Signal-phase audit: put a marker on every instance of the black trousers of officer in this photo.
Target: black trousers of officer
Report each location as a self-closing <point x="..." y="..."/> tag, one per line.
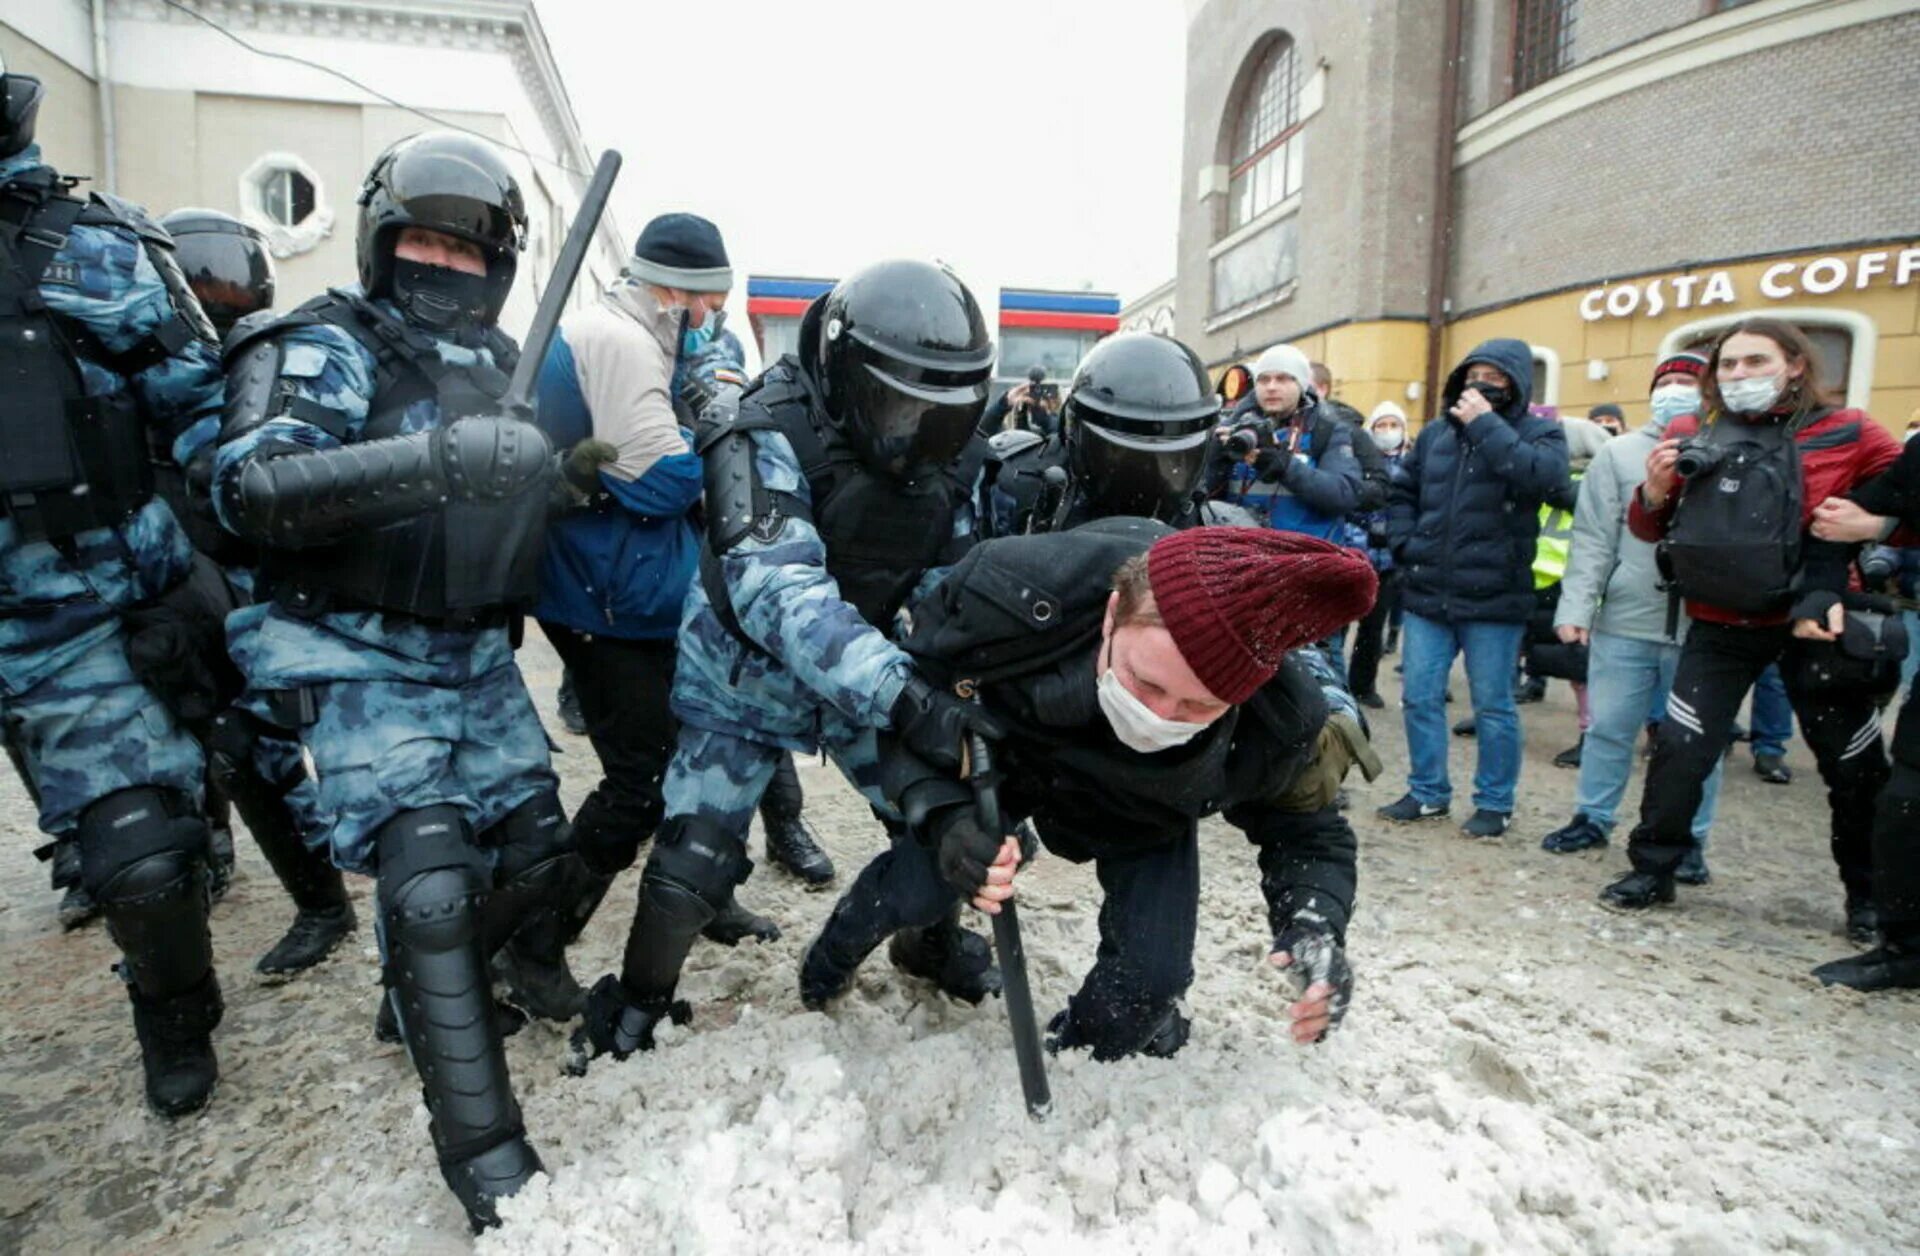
<point x="1369" y="636"/>
<point x="1718" y="665"/>
<point x="1148" y="919"/>
<point x="1896" y="836"/>
<point x="625" y="687"/>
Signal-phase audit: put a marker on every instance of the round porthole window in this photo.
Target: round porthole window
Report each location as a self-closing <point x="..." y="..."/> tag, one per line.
<point x="284" y="197"/>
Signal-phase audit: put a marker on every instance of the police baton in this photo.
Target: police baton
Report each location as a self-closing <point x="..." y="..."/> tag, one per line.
<point x="566" y="269"/>
<point x="1006" y="942"/>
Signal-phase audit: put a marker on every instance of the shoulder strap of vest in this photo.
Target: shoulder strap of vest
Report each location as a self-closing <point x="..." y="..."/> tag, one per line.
<point x="36" y="214"/>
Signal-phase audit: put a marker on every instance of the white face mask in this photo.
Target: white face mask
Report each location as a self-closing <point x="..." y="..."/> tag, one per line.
<point x="1389" y="438"/>
<point x="1753" y="395"/>
<point x="1137" y="727"/>
<point x="1669" y="401"/>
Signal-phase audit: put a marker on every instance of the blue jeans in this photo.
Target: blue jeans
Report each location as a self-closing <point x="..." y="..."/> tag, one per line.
<point x="1623" y="675"/>
<point x="1428" y="648"/>
<point x="1772" y="716"/>
<point x="1912" y="663"/>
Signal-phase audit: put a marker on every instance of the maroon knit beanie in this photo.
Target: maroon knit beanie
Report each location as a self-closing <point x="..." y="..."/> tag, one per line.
<point x="1684" y="363"/>
<point x="1237" y="599"/>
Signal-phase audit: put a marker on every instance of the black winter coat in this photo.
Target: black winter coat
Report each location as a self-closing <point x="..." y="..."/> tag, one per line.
<point x="1464" y="518"/>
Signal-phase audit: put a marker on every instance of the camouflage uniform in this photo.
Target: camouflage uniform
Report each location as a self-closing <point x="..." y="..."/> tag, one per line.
<point x="405" y="714"/>
<point x="106" y="760"/>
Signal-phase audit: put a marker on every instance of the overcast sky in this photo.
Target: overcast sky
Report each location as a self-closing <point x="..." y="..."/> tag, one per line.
<point x="1025" y="142"/>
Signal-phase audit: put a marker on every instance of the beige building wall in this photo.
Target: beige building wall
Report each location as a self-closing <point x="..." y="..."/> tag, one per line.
<point x="67" y="129"/>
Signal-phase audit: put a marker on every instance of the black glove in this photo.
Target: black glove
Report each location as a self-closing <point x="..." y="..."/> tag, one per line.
<point x="934" y="724"/>
<point x="1317" y="957"/>
<point x="964" y="848"/>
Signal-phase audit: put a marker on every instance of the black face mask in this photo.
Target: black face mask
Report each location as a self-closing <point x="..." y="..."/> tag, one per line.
<point x="437" y="298"/>
<point x="1496" y="396"/>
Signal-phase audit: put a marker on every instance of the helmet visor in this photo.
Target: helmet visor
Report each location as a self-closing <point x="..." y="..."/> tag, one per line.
<point x="231" y="274"/>
<point x="907" y="428"/>
<point x="444" y="191"/>
<point x="1124" y="474"/>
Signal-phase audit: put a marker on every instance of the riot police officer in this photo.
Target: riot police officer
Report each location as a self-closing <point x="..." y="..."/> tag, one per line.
<point x="836" y="486"/>
<point x="399" y="514"/>
<point x="103" y="348"/>
<point x="227" y="265"/>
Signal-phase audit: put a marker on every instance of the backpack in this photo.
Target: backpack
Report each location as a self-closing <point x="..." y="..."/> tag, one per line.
<point x="1029" y="601"/>
<point x="1735" y="537"/>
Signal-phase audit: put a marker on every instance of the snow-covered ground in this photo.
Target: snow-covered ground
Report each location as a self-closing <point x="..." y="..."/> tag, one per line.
<point x="1521" y="1071"/>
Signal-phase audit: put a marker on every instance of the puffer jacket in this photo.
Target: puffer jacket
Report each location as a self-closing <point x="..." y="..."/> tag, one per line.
<point x="621" y="566"/>
<point x="1465" y="518"/>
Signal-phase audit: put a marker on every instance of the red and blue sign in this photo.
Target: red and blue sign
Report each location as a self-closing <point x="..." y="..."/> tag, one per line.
<point x="780" y="297"/>
<point x="1062" y="311"/>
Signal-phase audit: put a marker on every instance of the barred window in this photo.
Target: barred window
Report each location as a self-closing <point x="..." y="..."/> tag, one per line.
<point x="1266" y="156"/>
<point x="1542" y="40"/>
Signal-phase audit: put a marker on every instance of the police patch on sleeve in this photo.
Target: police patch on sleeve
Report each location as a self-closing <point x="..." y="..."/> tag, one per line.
<point x="66" y="274"/>
<point x="768" y="526"/>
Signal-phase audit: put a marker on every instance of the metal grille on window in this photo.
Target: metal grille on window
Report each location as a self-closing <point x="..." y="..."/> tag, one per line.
<point x="1542" y="40"/>
<point x="1267" y="144"/>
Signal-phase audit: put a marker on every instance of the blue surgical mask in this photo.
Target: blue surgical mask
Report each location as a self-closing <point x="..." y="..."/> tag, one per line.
<point x="1670" y="401"/>
<point x="694" y="339"/>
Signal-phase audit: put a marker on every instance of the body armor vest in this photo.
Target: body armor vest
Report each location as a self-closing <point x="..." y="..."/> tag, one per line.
<point x="68" y="462"/>
<point x="467" y="563"/>
<point x="881" y="535"/>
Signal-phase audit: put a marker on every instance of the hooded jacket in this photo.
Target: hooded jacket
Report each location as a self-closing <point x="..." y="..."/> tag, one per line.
<point x="621" y="565"/>
<point x="1465" y="516"/>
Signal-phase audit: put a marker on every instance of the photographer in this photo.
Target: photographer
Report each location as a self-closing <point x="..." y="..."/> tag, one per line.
<point x="1463" y="521"/>
<point x="1870" y="513"/>
<point x="1033" y="407"/>
<point x="1282" y="456"/>
<point x="1771" y="448"/>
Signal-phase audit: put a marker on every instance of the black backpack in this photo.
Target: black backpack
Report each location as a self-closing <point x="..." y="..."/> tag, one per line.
<point x="1736" y="533"/>
<point x="1031" y="600"/>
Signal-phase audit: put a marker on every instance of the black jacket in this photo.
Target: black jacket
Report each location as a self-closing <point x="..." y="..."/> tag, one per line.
<point x="1464" y="519"/>
<point x="1042" y="596"/>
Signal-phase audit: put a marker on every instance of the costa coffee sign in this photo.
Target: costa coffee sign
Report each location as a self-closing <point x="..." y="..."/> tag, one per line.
<point x="1823" y="276"/>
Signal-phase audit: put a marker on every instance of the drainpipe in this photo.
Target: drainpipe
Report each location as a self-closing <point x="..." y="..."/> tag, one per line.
<point x="1440" y="246"/>
<point x="103" y="87"/>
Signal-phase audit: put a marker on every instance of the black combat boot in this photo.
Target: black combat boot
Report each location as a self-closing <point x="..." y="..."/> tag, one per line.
<point x="734" y="924"/>
<point x="324" y="916"/>
<point x="76" y="905"/>
<point x="620" y="1021"/>
<point x="1888" y="967"/>
<point x="1638" y="891"/>
<point x="791" y="843"/>
<point x="176" y="1046"/>
<point x="533" y="964"/>
<point x="957" y="960"/>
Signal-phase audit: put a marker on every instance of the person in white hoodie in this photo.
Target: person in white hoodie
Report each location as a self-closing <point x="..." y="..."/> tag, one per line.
<point x="1611" y="601"/>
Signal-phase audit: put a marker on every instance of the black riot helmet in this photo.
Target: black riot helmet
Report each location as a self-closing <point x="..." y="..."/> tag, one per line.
<point x="1137" y="423"/>
<point x="226" y="263"/>
<point x="455" y="184"/>
<point x="901" y="354"/>
<point x="20" y="96"/>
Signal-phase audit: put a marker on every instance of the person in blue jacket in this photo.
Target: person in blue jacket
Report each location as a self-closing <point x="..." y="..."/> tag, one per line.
<point x="1463" y="523"/>
<point x="1285" y="456"/>
<point x="614" y="577"/>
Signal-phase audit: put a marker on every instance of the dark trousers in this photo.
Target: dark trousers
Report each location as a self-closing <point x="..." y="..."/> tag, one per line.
<point x="623" y="688"/>
<point x="1147" y="923"/>
<point x="1896" y="836"/>
<point x="1718" y="664"/>
<point x="1369" y="637"/>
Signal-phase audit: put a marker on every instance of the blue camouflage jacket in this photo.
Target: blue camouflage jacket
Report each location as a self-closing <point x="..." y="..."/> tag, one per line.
<point x="278" y="650"/>
<point x="820" y="660"/>
<point x="55" y="607"/>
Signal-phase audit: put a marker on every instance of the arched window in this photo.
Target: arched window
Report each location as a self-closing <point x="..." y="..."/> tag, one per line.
<point x="1264" y="161"/>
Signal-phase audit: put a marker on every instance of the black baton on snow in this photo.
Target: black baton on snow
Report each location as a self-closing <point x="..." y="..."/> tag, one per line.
<point x="553" y="301"/>
<point x="1006" y="941"/>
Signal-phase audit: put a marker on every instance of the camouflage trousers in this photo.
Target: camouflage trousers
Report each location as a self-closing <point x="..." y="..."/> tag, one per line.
<point x="378" y="748"/>
<point x="90" y="729"/>
<point x="720" y="776"/>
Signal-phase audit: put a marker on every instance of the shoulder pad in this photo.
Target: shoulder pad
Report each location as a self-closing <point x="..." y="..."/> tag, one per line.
<point x="247" y="327"/>
<point x="105" y="209"/>
<point x="1008" y="445"/>
<point x="253" y="367"/>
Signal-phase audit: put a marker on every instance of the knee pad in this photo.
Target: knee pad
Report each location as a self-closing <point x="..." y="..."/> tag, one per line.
<point x="697" y="857"/>
<point x="534" y="832"/>
<point x="144" y="829"/>
<point x="434" y="910"/>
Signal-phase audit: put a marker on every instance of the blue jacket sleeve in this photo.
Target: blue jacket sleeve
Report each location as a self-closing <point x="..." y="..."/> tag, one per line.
<point x="669" y="489"/>
<point x="1333" y="486"/>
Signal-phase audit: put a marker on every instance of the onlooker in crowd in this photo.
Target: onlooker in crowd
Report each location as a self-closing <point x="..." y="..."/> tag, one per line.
<point x="1874" y="511"/>
<point x="1610" y="417"/>
<point x="1611" y="601"/>
<point x="1387" y="429"/>
<point x="1033" y="405"/>
<point x="1463" y="521"/>
<point x="1734" y="553"/>
<point x="1283" y="456"/>
<point x="1547" y="657"/>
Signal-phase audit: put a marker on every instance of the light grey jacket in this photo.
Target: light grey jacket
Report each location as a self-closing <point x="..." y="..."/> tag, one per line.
<point x="1612" y="584"/>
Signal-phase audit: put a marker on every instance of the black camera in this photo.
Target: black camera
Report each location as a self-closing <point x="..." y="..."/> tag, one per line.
<point x="1248" y="437"/>
<point x="1043" y="392"/>
<point x="1698" y="457"/>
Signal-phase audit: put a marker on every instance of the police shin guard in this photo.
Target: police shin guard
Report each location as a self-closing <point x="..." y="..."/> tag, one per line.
<point x="432" y="890"/>
<point x="689" y="876"/>
<point x="147" y="869"/>
<point x="545" y="897"/>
